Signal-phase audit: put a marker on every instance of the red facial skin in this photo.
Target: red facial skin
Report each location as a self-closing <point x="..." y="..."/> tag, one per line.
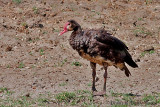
<point x="65" y="29"/>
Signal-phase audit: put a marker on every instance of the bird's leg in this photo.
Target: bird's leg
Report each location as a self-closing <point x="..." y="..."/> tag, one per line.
<point x="105" y="78"/>
<point x="93" y="66"/>
<point x="104" y="85"/>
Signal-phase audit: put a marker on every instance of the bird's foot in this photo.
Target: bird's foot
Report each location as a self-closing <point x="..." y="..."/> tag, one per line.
<point x="102" y="93"/>
<point x="94" y="89"/>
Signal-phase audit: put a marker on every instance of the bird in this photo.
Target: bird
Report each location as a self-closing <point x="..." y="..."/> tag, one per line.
<point x="99" y="47"/>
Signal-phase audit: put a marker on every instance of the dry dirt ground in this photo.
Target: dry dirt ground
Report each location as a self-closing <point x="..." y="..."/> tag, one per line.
<point x="35" y="60"/>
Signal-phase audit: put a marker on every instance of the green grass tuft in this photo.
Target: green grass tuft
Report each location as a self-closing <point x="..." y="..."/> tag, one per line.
<point x="63" y="84"/>
<point x="17" y="1"/>
<point x="21" y="65"/>
<point x="65" y="97"/>
<point x="151" y="99"/>
<point x="79" y="98"/>
<point x="41" y="52"/>
<point x="76" y="63"/>
<point x="35" y="10"/>
<point x="147" y="52"/>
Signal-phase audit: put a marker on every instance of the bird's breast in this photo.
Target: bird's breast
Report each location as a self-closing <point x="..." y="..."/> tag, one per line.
<point x="96" y="59"/>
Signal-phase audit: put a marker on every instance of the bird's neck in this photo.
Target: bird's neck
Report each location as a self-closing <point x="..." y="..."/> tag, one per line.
<point x="77" y="29"/>
<point x="75" y="36"/>
<point x="76" y="32"/>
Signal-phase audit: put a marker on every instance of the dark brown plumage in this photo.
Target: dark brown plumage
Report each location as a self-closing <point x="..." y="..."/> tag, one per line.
<point x="99" y="46"/>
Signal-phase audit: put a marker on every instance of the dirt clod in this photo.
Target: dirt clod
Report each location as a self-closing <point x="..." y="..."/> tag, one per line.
<point x="9" y="48"/>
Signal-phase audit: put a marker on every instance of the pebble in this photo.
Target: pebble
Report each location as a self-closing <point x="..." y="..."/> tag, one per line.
<point x="27" y="67"/>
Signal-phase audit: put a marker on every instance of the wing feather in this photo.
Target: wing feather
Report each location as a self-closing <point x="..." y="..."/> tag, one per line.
<point x="108" y="39"/>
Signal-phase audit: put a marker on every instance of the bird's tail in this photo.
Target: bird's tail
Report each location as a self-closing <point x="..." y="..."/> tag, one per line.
<point x="129" y="60"/>
<point x="127" y="72"/>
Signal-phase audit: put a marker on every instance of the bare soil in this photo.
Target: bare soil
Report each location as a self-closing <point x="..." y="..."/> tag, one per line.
<point x="34" y="59"/>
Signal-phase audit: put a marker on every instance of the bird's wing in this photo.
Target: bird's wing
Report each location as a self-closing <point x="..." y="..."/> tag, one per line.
<point x="108" y="39"/>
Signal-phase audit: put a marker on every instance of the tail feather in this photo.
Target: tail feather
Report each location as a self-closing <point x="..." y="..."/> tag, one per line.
<point x="127" y="72"/>
<point x="129" y="61"/>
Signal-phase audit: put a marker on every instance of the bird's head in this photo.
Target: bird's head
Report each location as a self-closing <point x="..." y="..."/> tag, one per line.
<point x="71" y="25"/>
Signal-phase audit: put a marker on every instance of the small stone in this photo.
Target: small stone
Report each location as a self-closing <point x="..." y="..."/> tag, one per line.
<point x="9" y="48"/>
<point x="27" y="67"/>
<point x="43" y="86"/>
<point x="29" y="39"/>
<point x="33" y="87"/>
<point x="65" y="73"/>
<point x="27" y="95"/>
<point x="44" y="15"/>
<point x="41" y="25"/>
<point x="54" y="14"/>
<point x="137" y="60"/>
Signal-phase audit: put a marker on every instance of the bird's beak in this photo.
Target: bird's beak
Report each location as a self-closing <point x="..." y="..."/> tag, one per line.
<point x="65" y="29"/>
<point x="61" y="33"/>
